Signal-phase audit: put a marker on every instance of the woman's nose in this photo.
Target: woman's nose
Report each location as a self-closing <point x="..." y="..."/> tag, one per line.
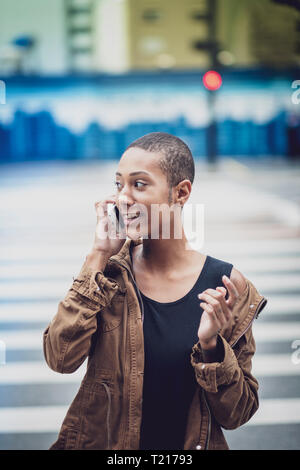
<point x="124" y="201"/>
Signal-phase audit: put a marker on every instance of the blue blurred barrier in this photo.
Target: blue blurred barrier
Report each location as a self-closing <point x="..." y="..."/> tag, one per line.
<point x="96" y="117"/>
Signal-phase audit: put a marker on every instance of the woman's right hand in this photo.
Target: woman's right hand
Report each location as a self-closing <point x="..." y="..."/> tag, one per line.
<point x="107" y="240"/>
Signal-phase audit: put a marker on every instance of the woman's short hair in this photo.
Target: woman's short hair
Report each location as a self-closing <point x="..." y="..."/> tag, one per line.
<point x="176" y="162"/>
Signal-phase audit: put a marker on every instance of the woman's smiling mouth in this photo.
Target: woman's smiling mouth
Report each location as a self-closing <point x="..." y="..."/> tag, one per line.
<point x="128" y="218"/>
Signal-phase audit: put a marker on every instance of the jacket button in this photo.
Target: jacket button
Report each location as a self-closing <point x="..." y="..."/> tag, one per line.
<point x="198" y="447"/>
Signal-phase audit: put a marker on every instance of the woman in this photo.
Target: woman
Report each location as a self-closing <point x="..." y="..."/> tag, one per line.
<point x="166" y="329"/>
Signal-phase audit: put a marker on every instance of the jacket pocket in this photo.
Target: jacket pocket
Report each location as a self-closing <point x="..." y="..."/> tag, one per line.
<point x="111" y="316"/>
<point x="97" y="406"/>
<point x="87" y="422"/>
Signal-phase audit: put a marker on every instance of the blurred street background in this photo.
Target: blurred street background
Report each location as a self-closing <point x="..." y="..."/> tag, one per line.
<point x="80" y="80"/>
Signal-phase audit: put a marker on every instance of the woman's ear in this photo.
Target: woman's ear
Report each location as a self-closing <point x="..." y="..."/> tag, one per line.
<point x="183" y="191"/>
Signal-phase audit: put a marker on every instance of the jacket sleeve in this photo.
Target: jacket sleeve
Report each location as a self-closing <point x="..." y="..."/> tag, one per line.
<point x="67" y="339"/>
<point x="231" y="389"/>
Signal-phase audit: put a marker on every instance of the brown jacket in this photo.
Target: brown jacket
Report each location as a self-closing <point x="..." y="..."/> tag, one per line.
<point x="101" y="317"/>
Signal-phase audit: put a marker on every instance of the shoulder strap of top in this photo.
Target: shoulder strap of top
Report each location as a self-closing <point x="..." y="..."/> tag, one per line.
<point x="217" y="268"/>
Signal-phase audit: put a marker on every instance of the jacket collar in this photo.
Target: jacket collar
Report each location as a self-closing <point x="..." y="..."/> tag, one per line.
<point x="123" y="257"/>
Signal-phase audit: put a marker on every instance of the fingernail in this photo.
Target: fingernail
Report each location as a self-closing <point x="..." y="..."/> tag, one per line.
<point x="225" y="277"/>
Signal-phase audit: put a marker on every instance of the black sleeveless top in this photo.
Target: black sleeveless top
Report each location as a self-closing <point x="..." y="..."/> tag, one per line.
<point x="170" y="331"/>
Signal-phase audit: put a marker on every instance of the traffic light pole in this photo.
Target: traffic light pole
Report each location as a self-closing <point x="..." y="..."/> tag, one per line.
<point x="210" y="46"/>
<point x="212" y="130"/>
<point x="212" y="127"/>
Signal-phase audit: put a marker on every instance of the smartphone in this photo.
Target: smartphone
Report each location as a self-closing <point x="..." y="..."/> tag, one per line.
<point x="117" y="213"/>
<point x="116" y="217"/>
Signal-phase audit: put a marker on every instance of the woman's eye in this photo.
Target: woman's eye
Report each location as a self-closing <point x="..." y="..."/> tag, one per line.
<point x="118" y="184"/>
<point x="139" y="182"/>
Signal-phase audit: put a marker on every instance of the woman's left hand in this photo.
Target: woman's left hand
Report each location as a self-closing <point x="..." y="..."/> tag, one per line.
<point x="217" y="312"/>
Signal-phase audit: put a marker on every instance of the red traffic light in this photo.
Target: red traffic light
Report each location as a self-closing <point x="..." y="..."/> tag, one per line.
<point x="212" y="80"/>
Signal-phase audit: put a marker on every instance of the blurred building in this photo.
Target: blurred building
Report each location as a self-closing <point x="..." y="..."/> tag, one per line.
<point x="260" y="32"/>
<point x="173" y="33"/>
<point x="170" y="33"/>
<point x="115" y="36"/>
<point x="44" y="22"/>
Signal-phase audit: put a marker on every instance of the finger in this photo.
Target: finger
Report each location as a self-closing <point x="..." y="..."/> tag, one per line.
<point x="220" y="297"/>
<point x="233" y="292"/>
<point x="222" y="310"/>
<point x="210" y="311"/>
<point x="225" y="308"/>
<point x="101" y="231"/>
<point x="101" y="207"/>
<point x="210" y="297"/>
<point x="222" y="290"/>
<point x="110" y="199"/>
<point x="214" y="300"/>
<point x="214" y="292"/>
<point x="101" y="211"/>
<point x="104" y="201"/>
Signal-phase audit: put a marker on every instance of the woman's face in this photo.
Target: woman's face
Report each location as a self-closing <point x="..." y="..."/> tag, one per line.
<point x="141" y="188"/>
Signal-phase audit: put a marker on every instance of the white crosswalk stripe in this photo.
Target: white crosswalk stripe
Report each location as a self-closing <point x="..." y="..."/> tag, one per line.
<point x="55" y="289"/>
<point x="39" y="372"/>
<point x="36" y="373"/>
<point x="50" y="268"/>
<point x="265" y="332"/>
<point x="36" y="419"/>
<point x="44" y="311"/>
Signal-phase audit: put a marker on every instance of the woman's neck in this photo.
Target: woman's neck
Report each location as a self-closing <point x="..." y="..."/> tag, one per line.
<point x="163" y="255"/>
